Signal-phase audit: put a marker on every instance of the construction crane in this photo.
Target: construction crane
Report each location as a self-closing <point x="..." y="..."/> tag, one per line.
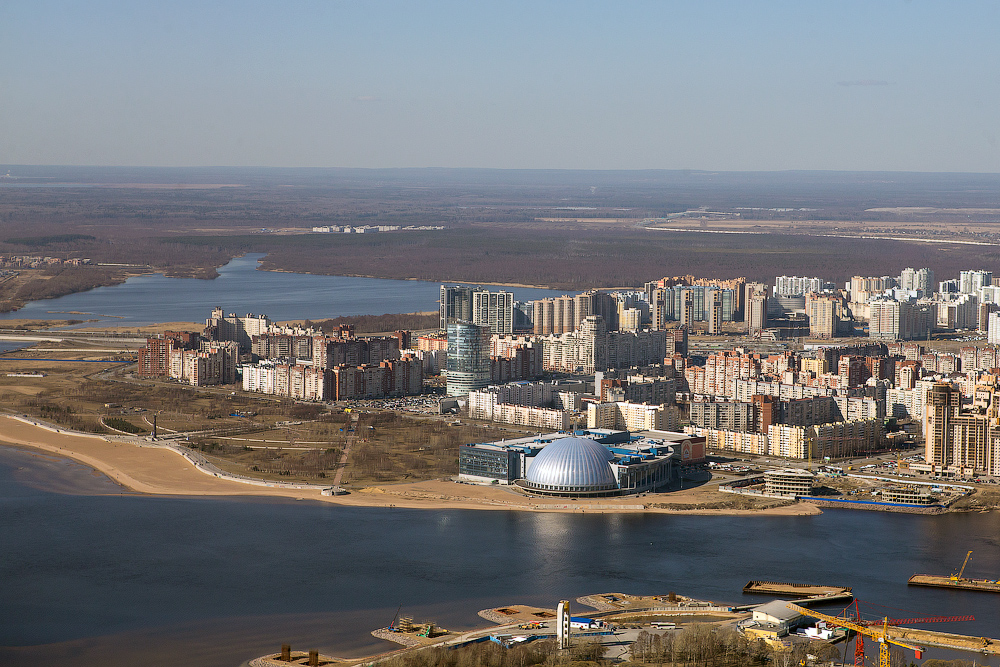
<point x="881" y="635"/>
<point x="859" y="644"/>
<point x="958" y="577"/>
<point x="925" y="619"/>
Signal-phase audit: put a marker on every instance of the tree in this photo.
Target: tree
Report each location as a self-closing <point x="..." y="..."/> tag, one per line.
<point x="591" y="651"/>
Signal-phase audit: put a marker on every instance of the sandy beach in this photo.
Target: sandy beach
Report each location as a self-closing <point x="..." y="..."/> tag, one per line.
<point x="160" y="471"/>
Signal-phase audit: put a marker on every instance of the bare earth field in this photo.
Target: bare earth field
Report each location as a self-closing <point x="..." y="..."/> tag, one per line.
<point x="932" y="230"/>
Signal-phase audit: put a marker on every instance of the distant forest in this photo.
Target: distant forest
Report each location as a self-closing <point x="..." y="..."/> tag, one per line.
<point x="379" y="323"/>
<point x="563" y="229"/>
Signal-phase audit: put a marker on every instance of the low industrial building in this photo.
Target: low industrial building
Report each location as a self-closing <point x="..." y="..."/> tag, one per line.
<point x="590" y="463"/>
<point x="773" y="619"/>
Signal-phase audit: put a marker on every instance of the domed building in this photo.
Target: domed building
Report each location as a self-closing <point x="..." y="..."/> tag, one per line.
<point x="584" y="464"/>
<point x="576" y="466"/>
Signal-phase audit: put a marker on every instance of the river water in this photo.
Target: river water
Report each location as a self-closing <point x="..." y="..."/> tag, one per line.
<point x="240" y="288"/>
<point x="94" y="575"/>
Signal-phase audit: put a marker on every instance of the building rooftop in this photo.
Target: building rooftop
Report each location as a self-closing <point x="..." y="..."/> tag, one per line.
<point x="573" y="464"/>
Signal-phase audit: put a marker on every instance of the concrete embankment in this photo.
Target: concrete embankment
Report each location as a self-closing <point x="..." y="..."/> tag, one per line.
<point x="946" y="640"/>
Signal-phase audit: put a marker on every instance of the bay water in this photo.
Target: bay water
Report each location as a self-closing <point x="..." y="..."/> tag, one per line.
<point x="92" y="574"/>
<point x="240" y="288"/>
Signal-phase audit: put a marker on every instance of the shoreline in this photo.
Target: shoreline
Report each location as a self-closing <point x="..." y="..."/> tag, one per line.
<point x="155" y="469"/>
<point x="165" y="272"/>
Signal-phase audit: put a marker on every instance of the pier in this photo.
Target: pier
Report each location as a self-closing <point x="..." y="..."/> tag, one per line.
<point x="937" y="581"/>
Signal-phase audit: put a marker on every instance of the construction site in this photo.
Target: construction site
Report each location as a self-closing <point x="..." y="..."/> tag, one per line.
<point x="622" y="625"/>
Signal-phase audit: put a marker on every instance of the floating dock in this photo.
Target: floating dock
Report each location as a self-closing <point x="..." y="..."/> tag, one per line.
<point x="938" y="581"/>
<point x="807" y="591"/>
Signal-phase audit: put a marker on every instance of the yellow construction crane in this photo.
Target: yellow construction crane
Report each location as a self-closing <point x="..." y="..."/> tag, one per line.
<point x="879" y="634"/>
<point x="958" y="577"/>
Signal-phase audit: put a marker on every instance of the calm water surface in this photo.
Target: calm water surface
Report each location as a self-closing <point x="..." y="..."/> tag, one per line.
<point x="240" y="288"/>
<point x="97" y="576"/>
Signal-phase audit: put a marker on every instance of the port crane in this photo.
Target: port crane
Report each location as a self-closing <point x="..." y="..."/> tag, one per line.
<point x="881" y="635"/>
<point x="958" y="577"/>
<point x="859" y="648"/>
<point x="859" y="645"/>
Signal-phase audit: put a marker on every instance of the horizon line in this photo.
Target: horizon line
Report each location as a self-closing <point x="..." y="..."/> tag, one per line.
<point x="503" y="169"/>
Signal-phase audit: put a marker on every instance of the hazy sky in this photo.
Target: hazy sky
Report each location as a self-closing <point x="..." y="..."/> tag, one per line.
<point x="573" y="84"/>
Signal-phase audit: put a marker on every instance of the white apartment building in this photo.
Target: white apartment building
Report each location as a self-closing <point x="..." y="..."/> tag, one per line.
<point x="733" y="441"/>
<point x="969" y="282"/>
<point x="523" y="415"/>
<point x="993" y="329"/>
<point x="633" y="416"/>
<point x="917" y="279"/>
<point x="495" y="310"/>
<point x="796" y="286"/>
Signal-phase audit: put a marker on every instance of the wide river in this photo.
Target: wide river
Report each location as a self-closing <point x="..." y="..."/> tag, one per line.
<point x="240" y="288"/>
<point x="95" y="576"/>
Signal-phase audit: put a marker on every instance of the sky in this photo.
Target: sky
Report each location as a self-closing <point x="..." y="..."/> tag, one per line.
<point x="750" y="85"/>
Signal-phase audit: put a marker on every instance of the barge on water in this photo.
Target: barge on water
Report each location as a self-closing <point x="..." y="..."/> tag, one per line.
<point x="937" y="581"/>
<point x="957" y="580"/>
<point x="809" y="592"/>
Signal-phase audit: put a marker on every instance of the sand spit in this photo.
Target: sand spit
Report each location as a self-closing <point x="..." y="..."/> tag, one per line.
<point x="147" y="467"/>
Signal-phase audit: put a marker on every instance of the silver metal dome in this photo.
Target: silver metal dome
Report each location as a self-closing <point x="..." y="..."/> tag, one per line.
<point x="572" y="465"/>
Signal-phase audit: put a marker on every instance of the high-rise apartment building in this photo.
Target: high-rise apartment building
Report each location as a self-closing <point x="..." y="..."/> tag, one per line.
<point x="715" y="322"/>
<point x="898" y="320"/>
<point x="917" y="279"/>
<point x="756" y="308"/>
<point x="631" y="319"/>
<point x="796" y="286"/>
<point x="495" y="310"/>
<point x="213" y="363"/>
<point x="993" y="329"/>
<point x="824" y="315"/>
<point x="690" y="303"/>
<point x="957" y="441"/>
<point x="969" y="282"/>
<point x="605" y="305"/>
<point x="863" y="288"/>
<point x="543" y="312"/>
<point x="241" y="330"/>
<point x="658" y="307"/>
<point x="687" y="310"/>
<point x="524" y="316"/>
<point x="456" y="304"/>
<point x="677" y="341"/>
<point x="460" y="303"/>
<point x="594" y="337"/>
<point x="563" y="314"/>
